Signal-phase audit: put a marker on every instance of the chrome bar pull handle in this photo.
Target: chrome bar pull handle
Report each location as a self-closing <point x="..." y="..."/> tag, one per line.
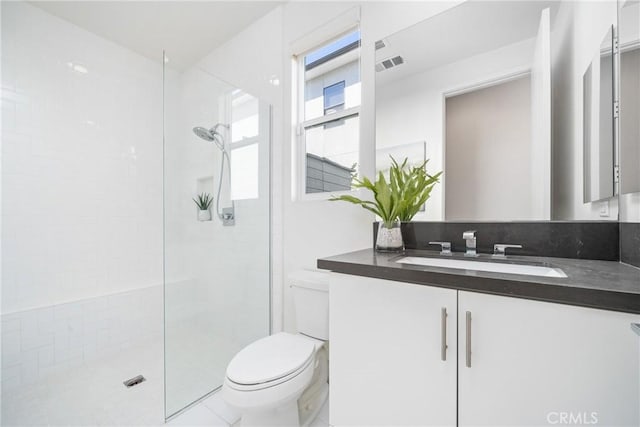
<point x="443" y="334"/>
<point x="468" y="341"/>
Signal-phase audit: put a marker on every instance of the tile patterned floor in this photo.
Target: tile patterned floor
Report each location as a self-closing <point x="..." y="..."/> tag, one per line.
<point x="93" y="395"/>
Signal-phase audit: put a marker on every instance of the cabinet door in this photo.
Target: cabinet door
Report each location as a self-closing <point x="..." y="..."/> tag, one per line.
<point x="386" y="353"/>
<point x="535" y="363"/>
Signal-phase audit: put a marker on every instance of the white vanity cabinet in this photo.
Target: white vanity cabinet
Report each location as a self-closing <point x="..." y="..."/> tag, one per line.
<point x="386" y="366"/>
<point x="537" y="363"/>
<point x="531" y="363"/>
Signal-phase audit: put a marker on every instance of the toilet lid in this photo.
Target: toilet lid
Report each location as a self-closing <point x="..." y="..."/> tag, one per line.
<point x="270" y="358"/>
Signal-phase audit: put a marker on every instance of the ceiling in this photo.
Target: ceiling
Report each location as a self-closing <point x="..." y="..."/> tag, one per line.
<point x="186" y="30"/>
<point x="472" y="28"/>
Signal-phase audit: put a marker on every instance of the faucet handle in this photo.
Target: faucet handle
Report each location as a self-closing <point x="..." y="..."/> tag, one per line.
<point x="500" y="249"/>
<point x="445" y="247"/>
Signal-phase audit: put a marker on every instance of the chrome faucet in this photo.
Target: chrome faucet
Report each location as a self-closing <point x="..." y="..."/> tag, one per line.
<point x="470" y="239"/>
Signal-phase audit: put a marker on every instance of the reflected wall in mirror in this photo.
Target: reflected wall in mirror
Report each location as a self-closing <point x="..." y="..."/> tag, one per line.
<point x="488" y="161"/>
<point x="480" y="98"/>
<point x="629" y="139"/>
<point x="598" y="120"/>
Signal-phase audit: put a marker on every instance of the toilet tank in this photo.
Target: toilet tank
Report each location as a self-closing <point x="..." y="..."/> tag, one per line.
<point x="311" y="301"/>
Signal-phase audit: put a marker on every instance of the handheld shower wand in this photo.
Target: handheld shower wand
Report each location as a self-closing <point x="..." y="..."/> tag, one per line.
<point x="227" y="216"/>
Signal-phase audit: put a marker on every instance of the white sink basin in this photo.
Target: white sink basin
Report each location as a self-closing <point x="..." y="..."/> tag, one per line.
<point x="493" y="267"/>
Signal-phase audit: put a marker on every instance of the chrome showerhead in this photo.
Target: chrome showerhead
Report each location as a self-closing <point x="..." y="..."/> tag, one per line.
<point x="204" y="133"/>
<point x="211" y="135"/>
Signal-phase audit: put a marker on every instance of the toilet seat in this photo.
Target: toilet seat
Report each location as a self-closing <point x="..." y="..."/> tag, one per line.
<point x="270" y="361"/>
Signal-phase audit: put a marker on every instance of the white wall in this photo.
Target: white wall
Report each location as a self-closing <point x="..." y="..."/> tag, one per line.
<point x="576" y="35"/>
<point x="1" y="128"/>
<point x="540" y="158"/>
<point x="82" y="163"/>
<point x="630" y="120"/>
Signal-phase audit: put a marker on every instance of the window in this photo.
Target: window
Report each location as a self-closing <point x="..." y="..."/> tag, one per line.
<point x="244" y="116"/>
<point x="245" y="138"/>
<point x="333" y="98"/>
<point x="329" y="115"/>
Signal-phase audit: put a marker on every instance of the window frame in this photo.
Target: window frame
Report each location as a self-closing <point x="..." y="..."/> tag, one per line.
<point x="301" y="125"/>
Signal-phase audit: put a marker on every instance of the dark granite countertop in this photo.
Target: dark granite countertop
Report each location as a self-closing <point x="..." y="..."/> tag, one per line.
<point x="607" y="285"/>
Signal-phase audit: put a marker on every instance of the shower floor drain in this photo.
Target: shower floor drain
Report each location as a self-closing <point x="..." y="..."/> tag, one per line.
<point x="134" y="381"/>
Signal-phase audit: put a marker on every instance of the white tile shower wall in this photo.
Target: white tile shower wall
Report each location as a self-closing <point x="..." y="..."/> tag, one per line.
<point x="81" y="166"/>
<point x="49" y="340"/>
<point x="235" y="62"/>
<point x="228" y="267"/>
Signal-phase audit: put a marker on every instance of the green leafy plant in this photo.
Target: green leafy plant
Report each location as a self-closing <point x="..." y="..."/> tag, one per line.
<point x="203" y="201"/>
<point x="401" y="197"/>
<point x="415" y="185"/>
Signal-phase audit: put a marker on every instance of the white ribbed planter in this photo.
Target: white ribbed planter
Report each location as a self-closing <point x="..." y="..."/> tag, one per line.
<point x="204" y="215"/>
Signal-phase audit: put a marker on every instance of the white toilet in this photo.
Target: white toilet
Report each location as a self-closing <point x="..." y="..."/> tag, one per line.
<point x="282" y="380"/>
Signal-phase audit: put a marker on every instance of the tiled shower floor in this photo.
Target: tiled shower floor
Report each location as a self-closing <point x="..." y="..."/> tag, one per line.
<point x="93" y="394"/>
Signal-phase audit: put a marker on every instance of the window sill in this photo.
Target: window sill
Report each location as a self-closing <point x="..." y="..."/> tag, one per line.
<point x="314" y="197"/>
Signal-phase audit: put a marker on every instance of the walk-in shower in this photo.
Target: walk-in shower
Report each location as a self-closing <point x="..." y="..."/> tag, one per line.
<point x="227" y="216"/>
<point x="120" y="307"/>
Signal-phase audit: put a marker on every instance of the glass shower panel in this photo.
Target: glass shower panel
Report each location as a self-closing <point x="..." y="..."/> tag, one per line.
<point x="217" y="275"/>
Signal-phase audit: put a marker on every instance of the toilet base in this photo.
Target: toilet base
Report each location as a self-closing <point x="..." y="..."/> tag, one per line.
<point x="310" y="410"/>
<point x="282" y="416"/>
<point x="315" y="395"/>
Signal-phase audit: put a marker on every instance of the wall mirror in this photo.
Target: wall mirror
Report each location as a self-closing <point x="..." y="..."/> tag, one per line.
<point x="629" y="119"/>
<point x="476" y="103"/>
<point x="598" y="123"/>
